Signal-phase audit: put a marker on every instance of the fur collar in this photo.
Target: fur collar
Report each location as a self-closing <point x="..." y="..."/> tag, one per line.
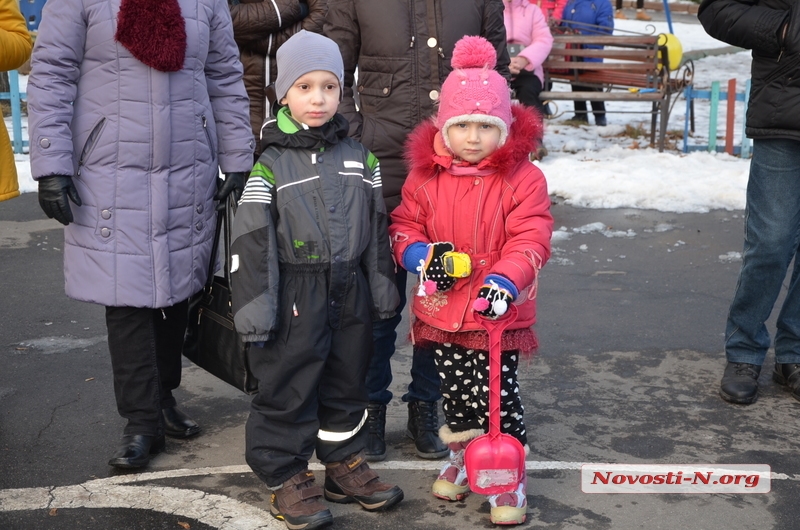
<point x="525" y="134"/>
<point x="154" y="32"/>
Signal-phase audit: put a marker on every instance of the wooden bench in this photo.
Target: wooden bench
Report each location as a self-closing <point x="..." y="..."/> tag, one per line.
<point x="634" y="68"/>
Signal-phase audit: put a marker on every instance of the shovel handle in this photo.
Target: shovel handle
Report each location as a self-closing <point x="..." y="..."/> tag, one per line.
<point x="495" y="330"/>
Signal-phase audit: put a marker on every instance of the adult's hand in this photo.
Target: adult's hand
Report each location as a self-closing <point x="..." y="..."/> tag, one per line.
<point x="55" y="192"/>
<point x="232" y="186"/>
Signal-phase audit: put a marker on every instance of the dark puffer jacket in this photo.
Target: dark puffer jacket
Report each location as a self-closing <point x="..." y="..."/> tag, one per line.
<point x="775" y="90"/>
<point x="402" y="49"/>
<point x="259" y="29"/>
<point x="332" y="225"/>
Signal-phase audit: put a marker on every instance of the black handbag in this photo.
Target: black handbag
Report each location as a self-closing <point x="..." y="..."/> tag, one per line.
<point x="212" y="342"/>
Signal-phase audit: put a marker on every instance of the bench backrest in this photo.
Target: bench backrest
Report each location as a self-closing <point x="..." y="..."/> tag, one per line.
<point x="627" y="61"/>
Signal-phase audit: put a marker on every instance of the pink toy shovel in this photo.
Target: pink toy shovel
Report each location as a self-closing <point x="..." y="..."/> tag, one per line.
<point x="495" y="462"/>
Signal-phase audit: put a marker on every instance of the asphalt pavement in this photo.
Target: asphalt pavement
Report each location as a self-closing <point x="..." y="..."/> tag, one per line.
<point x="631" y="316"/>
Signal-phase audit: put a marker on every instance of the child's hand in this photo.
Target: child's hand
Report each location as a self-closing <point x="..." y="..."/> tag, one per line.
<point x="434" y="267"/>
<point x="494" y="296"/>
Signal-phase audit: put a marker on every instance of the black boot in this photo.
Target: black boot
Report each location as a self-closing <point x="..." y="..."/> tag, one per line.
<point x="376" y="442"/>
<point x="599" y="109"/>
<point x="134" y="450"/>
<point x="423" y="428"/>
<point x="788" y="375"/>
<point x="177" y="424"/>
<point x="740" y="383"/>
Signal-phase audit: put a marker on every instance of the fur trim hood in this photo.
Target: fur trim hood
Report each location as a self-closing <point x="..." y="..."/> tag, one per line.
<point x="425" y="148"/>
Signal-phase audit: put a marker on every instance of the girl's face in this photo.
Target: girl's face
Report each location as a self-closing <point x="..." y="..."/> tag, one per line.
<point x="314" y="98"/>
<point x="472" y="141"/>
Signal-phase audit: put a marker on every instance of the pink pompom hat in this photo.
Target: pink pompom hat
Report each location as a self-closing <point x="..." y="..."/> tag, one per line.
<point x="474" y="91"/>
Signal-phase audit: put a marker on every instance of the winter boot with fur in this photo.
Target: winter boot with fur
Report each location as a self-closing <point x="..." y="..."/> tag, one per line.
<point x="452" y="483"/>
<point x="297" y="503"/>
<point x="510" y="507"/>
<point x="351" y="480"/>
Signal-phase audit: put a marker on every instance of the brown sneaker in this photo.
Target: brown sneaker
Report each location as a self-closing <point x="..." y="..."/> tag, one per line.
<point x="353" y="481"/>
<point x="619" y="14"/>
<point x="641" y="15"/>
<point x="297" y="503"/>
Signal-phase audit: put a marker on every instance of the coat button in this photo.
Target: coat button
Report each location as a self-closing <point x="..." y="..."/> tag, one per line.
<point x="482" y="262"/>
<point x="337" y="258"/>
<point x="455" y="325"/>
<point x="45" y="143"/>
<point x="477" y="181"/>
<point x="332" y="209"/>
<point x="319" y="159"/>
<point x="433" y="94"/>
<point x="105" y="232"/>
<point x="199" y="226"/>
<point x="385" y="90"/>
<point x="199" y="208"/>
<point x="333" y="303"/>
<point x="432" y="43"/>
<point x="361" y="88"/>
<point x="105" y="214"/>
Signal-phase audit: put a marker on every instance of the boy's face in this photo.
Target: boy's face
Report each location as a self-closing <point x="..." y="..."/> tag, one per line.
<point x="472" y="141"/>
<point x="313" y="98"/>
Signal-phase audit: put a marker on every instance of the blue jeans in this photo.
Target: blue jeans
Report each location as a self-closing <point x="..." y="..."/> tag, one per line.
<point x="424" y="384"/>
<point x="772" y="231"/>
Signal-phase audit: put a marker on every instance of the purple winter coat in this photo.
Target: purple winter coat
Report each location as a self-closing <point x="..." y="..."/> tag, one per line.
<point x="145" y="148"/>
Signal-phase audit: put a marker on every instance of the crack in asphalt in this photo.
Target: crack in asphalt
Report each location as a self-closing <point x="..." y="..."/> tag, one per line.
<point x="53" y="414"/>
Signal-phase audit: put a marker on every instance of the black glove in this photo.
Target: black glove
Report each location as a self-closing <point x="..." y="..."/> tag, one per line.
<point x="492" y="301"/>
<point x="55" y="192"/>
<point x="434" y="267"/>
<point x="233" y="185"/>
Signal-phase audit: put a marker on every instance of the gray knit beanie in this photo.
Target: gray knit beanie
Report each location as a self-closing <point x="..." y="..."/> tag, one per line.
<point x="305" y="52"/>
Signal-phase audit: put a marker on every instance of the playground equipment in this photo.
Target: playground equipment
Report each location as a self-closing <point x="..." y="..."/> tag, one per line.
<point x="32" y="11"/>
<point x="714" y="95"/>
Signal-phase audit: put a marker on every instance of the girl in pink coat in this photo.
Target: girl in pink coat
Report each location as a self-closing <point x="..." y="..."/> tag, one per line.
<point x="530" y="41"/>
<point x="473" y="195"/>
<point x="527" y="27"/>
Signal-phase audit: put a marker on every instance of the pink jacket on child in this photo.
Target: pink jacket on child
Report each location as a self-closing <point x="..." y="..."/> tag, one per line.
<point x="526" y="25"/>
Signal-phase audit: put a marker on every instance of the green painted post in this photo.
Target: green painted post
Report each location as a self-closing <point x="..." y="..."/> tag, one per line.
<point x="712" y="118"/>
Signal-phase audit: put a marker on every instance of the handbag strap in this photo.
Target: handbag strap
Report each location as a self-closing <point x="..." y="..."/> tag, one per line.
<point x="215" y="246"/>
<point x="228" y="216"/>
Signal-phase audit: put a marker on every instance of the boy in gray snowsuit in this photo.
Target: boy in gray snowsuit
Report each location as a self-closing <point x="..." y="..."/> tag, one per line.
<point x="311" y="268"/>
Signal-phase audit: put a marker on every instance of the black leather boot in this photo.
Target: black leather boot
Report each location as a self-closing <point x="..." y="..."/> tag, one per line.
<point x="788" y="375"/>
<point x="375" y="450"/>
<point x="134" y="450"/>
<point x="740" y="383"/>
<point x="177" y="424"/>
<point x="423" y="428"/>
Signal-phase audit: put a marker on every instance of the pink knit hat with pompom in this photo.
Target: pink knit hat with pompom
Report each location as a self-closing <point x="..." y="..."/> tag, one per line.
<point x="474" y="91"/>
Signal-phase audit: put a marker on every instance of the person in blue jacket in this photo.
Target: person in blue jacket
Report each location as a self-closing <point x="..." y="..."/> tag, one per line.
<point x="580" y="16"/>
